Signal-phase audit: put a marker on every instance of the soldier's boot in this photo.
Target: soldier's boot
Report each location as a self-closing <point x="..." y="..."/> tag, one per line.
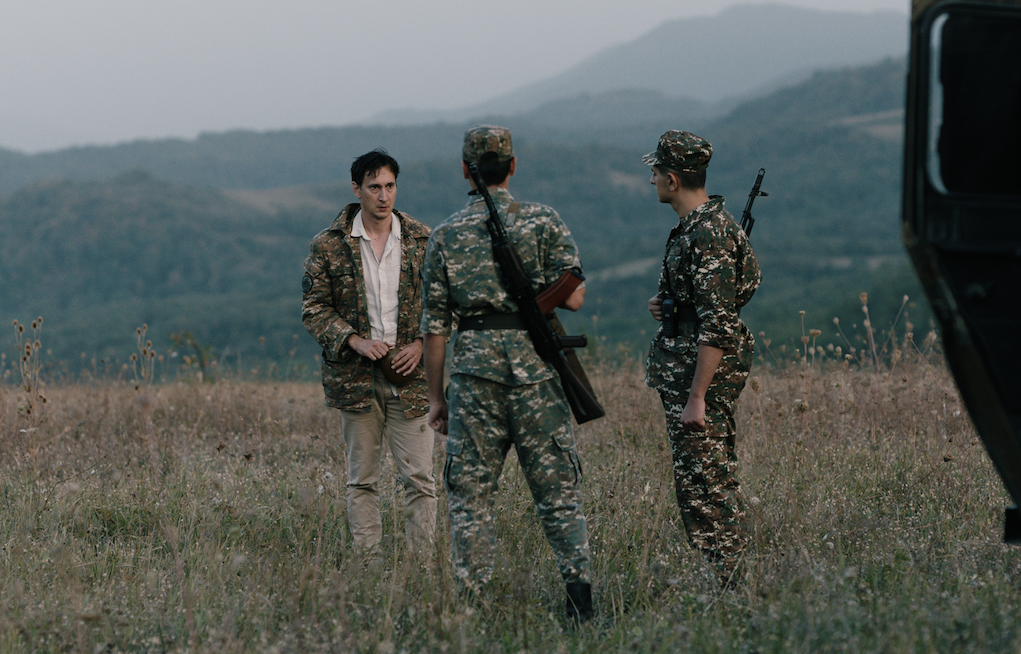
<point x="579" y="602"/>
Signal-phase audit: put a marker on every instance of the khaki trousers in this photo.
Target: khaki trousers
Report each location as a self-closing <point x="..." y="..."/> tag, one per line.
<point x="411" y="443"/>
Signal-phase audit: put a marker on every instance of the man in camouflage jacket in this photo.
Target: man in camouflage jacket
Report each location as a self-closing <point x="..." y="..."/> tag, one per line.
<point x="362" y="303"/>
<point x="710" y="272"/>
<point x="501" y="392"/>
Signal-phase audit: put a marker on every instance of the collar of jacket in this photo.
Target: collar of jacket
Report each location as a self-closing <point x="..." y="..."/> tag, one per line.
<point x="685" y="224"/>
<point x="346" y="219"/>
<point x="499" y="194"/>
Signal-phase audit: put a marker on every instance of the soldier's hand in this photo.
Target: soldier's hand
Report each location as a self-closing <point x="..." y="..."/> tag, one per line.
<point x="438" y="417"/>
<point x="656" y="307"/>
<point x="693" y="416"/>
<point x="408" y="357"/>
<point x="373" y="350"/>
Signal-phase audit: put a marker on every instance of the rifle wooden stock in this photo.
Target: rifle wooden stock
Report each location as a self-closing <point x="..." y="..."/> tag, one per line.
<point x="545" y="338"/>
<point x="557" y="293"/>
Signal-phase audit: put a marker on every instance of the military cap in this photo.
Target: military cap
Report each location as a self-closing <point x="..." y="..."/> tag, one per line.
<point x="681" y="151"/>
<point x="487" y="144"/>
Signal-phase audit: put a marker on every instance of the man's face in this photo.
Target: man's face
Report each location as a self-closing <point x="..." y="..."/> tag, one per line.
<point x="377" y="194"/>
<point x="662" y="183"/>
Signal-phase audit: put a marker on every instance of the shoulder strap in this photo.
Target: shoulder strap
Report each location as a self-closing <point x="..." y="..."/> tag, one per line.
<point x="512" y="212"/>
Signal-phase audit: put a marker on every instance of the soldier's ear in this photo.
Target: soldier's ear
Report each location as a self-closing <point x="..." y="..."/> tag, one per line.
<point x="464" y="169"/>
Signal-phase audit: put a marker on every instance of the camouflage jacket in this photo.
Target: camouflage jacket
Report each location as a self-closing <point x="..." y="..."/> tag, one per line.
<point x="710" y="265"/>
<point x="461" y="278"/>
<point x="334" y="307"/>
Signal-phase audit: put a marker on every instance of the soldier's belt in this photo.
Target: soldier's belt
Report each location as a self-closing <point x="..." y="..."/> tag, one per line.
<point x="492" y="321"/>
<point x="686" y="313"/>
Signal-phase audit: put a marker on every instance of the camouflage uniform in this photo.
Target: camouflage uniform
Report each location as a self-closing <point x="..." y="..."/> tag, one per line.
<point x="709" y="265"/>
<point x="334" y="308"/>
<point x="501" y="392"/>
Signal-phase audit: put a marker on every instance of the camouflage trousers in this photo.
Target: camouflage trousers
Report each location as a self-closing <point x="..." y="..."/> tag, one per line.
<point x="486" y="419"/>
<point x="705" y="469"/>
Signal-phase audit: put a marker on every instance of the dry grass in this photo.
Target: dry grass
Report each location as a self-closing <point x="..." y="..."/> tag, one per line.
<point x="211" y="517"/>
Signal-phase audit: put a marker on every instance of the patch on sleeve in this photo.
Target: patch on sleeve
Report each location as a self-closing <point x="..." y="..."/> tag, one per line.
<point x="306" y="283"/>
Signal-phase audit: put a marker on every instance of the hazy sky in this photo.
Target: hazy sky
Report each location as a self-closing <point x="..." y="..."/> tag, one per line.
<point x="108" y="71"/>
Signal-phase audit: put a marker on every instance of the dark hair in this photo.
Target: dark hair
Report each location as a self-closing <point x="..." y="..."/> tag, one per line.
<point x="494" y="174"/>
<point x="370" y="163"/>
<point x="689" y="181"/>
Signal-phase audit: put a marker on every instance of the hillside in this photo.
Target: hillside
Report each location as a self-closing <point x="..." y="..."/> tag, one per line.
<point x="99" y="258"/>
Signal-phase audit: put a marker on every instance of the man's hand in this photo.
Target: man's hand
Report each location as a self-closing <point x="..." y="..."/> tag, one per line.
<point x="372" y="350"/>
<point x="408" y="357"/>
<point x="435" y="354"/>
<point x="706" y="363"/>
<point x="656" y="307"/>
<point x="438" y="417"/>
<point x="693" y="416"/>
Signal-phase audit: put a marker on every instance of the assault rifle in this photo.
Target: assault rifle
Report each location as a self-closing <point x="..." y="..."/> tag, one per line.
<point x="544" y="328"/>
<point x="747" y="222"/>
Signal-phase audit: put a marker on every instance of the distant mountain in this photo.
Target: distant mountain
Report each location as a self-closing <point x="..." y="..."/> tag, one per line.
<point x="623" y="96"/>
<point x="741" y="52"/>
<point x="98" y="258"/>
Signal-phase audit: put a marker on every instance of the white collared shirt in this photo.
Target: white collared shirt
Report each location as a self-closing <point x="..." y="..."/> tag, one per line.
<point x="382" y="280"/>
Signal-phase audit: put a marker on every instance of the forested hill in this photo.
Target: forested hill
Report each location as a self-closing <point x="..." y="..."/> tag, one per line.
<point x="98" y="257"/>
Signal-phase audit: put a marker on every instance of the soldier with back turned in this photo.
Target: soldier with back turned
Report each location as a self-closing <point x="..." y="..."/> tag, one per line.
<point x="501" y="393"/>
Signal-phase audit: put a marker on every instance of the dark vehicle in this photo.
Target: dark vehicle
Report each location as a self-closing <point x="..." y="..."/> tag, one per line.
<point x="962" y="208"/>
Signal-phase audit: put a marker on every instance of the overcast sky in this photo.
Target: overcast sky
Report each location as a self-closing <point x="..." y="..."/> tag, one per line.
<point x="109" y="71"/>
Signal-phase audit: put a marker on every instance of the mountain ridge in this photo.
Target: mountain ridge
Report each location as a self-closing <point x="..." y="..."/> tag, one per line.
<point x="767" y="46"/>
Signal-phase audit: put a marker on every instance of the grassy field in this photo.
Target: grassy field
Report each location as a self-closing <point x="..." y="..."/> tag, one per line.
<point x="190" y="516"/>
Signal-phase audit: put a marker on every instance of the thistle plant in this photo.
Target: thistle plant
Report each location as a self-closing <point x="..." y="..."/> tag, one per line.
<point x="143" y="364"/>
<point x="30" y="367"/>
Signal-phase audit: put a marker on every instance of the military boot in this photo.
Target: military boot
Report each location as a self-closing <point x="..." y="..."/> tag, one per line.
<point x="579" y="602"/>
